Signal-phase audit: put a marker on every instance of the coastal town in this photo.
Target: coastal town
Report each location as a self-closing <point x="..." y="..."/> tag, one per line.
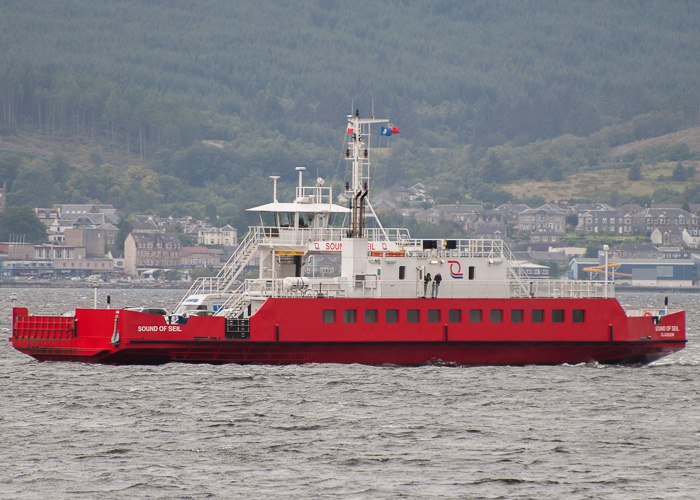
<point x="645" y="246"/>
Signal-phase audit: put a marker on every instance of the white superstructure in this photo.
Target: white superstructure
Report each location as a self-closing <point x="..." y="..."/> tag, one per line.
<point x="376" y="262"/>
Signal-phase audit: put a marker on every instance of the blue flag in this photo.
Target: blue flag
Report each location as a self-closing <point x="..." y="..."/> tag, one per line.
<point x="386" y="131"/>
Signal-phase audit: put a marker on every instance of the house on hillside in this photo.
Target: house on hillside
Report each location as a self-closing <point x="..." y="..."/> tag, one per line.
<point x="198" y="257"/>
<point x="691" y="237"/>
<point x="605" y="221"/>
<point x="149" y="250"/>
<point x="545" y="219"/>
<point x="672" y="236"/>
<point x="649" y="219"/>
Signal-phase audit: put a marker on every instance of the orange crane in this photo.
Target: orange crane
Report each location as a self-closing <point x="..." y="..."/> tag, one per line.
<point x="611" y="270"/>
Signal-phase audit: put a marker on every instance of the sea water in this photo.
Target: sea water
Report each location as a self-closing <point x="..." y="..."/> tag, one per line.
<point x="78" y="431"/>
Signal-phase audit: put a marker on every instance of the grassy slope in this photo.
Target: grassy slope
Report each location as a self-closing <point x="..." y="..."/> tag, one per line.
<point x="592" y="184"/>
<point x="598" y="184"/>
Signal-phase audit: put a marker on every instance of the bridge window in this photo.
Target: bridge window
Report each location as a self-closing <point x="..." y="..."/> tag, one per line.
<point x="305" y="219"/>
<point x="475" y="315"/>
<point x="516" y="315"/>
<point x="537" y="315"/>
<point x="268" y="219"/>
<point x="557" y="315"/>
<point x="433" y="315"/>
<point x="392" y="315"/>
<point x="578" y="315"/>
<point x="454" y="316"/>
<point x="286" y="219"/>
<point x="329" y="315"/>
<point x="370" y="315"/>
<point x="496" y="315"/>
<point x="349" y="315"/>
<point x="412" y="315"/>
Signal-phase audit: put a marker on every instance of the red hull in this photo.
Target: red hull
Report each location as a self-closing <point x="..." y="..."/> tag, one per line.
<point x="419" y="332"/>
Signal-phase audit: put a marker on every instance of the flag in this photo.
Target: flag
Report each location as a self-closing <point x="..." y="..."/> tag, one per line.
<point x="394" y="130"/>
<point x="386" y="131"/>
<point x="350" y="130"/>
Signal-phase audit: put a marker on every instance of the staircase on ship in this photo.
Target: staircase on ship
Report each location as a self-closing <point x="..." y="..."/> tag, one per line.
<point x="226" y="279"/>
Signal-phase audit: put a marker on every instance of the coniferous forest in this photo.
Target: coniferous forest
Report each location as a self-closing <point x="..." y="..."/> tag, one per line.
<point x="184" y="108"/>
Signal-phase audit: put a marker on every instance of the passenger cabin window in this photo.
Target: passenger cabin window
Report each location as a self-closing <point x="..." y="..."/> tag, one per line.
<point x="557" y="315"/>
<point x="578" y="315"/>
<point x="412" y="316"/>
<point x="370" y="315"/>
<point x="475" y="315"/>
<point x="402" y="272"/>
<point x="496" y="315"/>
<point x="349" y="315"/>
<point x="516" y="315"/>
<point x="471" y="272"/>
<point x="433" y="315"/>
<point x="392" y="315"/>
<point x="329" y="315"/>
<point x="537" y="315"/>
<point x="454" y="316"/>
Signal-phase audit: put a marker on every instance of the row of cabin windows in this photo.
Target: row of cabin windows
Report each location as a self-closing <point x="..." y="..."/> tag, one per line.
<point x="455" y="315"/>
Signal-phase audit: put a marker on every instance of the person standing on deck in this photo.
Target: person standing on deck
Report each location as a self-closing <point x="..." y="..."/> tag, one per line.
<point x="426" y="281"/>
<point x="436" y="285"/>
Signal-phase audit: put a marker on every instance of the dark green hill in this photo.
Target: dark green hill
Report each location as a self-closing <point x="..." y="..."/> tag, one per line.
<point x="480" y="72"/>
<point x="274" y="80"/>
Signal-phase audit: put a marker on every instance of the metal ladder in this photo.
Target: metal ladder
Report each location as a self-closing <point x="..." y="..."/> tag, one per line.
<point x="235" y="304"/>
<point x="228" y="274"/>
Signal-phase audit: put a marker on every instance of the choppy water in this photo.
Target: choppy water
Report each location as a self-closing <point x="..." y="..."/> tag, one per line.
<point x="69" y="430"/>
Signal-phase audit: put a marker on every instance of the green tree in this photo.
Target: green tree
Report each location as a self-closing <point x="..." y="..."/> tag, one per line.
<point x="679" y="173"/>
<point x="635" y="172"/>
<point x="96" y="159"/>
<point x="187" y="240"/>
<point x="10" y="165"/>
<point x="34" y="186"/>
<point x="555" y="174"/>
<point x="210" y="212"/>
<point x="22" y="221"/>
<point x="173" y="275"/>
<point x="125" y="227"/>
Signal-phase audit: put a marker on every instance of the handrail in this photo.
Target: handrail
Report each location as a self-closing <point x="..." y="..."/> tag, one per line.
<point x="230" y="306"/>
<point x="341" y="288"/>
<point x="227" y="275"/>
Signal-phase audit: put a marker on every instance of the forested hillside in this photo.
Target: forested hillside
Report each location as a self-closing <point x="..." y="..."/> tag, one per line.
<point x="485" y="93"/>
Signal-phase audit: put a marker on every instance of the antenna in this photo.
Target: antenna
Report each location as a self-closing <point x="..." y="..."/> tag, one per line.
<point x="274" y="187"/>
<point x="358" y="153"/>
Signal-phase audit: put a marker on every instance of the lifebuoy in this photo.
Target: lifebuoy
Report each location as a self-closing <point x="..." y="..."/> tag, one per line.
<point x="647" y="314"/>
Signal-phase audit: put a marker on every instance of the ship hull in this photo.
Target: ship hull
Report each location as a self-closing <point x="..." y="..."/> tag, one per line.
<point x="394" y="332"/>
<point x="398" y="353"/>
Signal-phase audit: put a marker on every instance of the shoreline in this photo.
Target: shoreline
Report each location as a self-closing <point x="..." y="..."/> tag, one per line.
<point x="88" y="284"/>
<point x="185" y="286"/>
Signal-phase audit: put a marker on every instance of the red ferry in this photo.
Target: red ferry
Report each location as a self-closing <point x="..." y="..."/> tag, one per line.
<point x="397" y="300"/>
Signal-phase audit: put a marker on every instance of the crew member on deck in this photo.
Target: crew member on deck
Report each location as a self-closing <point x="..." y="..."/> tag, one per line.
<point x="436" y="285"/>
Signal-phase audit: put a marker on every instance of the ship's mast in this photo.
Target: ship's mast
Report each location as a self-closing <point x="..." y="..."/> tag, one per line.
<point x="359" y="150"/>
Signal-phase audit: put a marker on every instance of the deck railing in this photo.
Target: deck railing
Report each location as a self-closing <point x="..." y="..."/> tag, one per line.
<point x="342" y="288"/>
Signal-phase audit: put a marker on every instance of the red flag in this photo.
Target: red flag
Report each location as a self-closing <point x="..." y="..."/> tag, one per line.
<point x="394" y="130"/>
<point x="350" y="130"/>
